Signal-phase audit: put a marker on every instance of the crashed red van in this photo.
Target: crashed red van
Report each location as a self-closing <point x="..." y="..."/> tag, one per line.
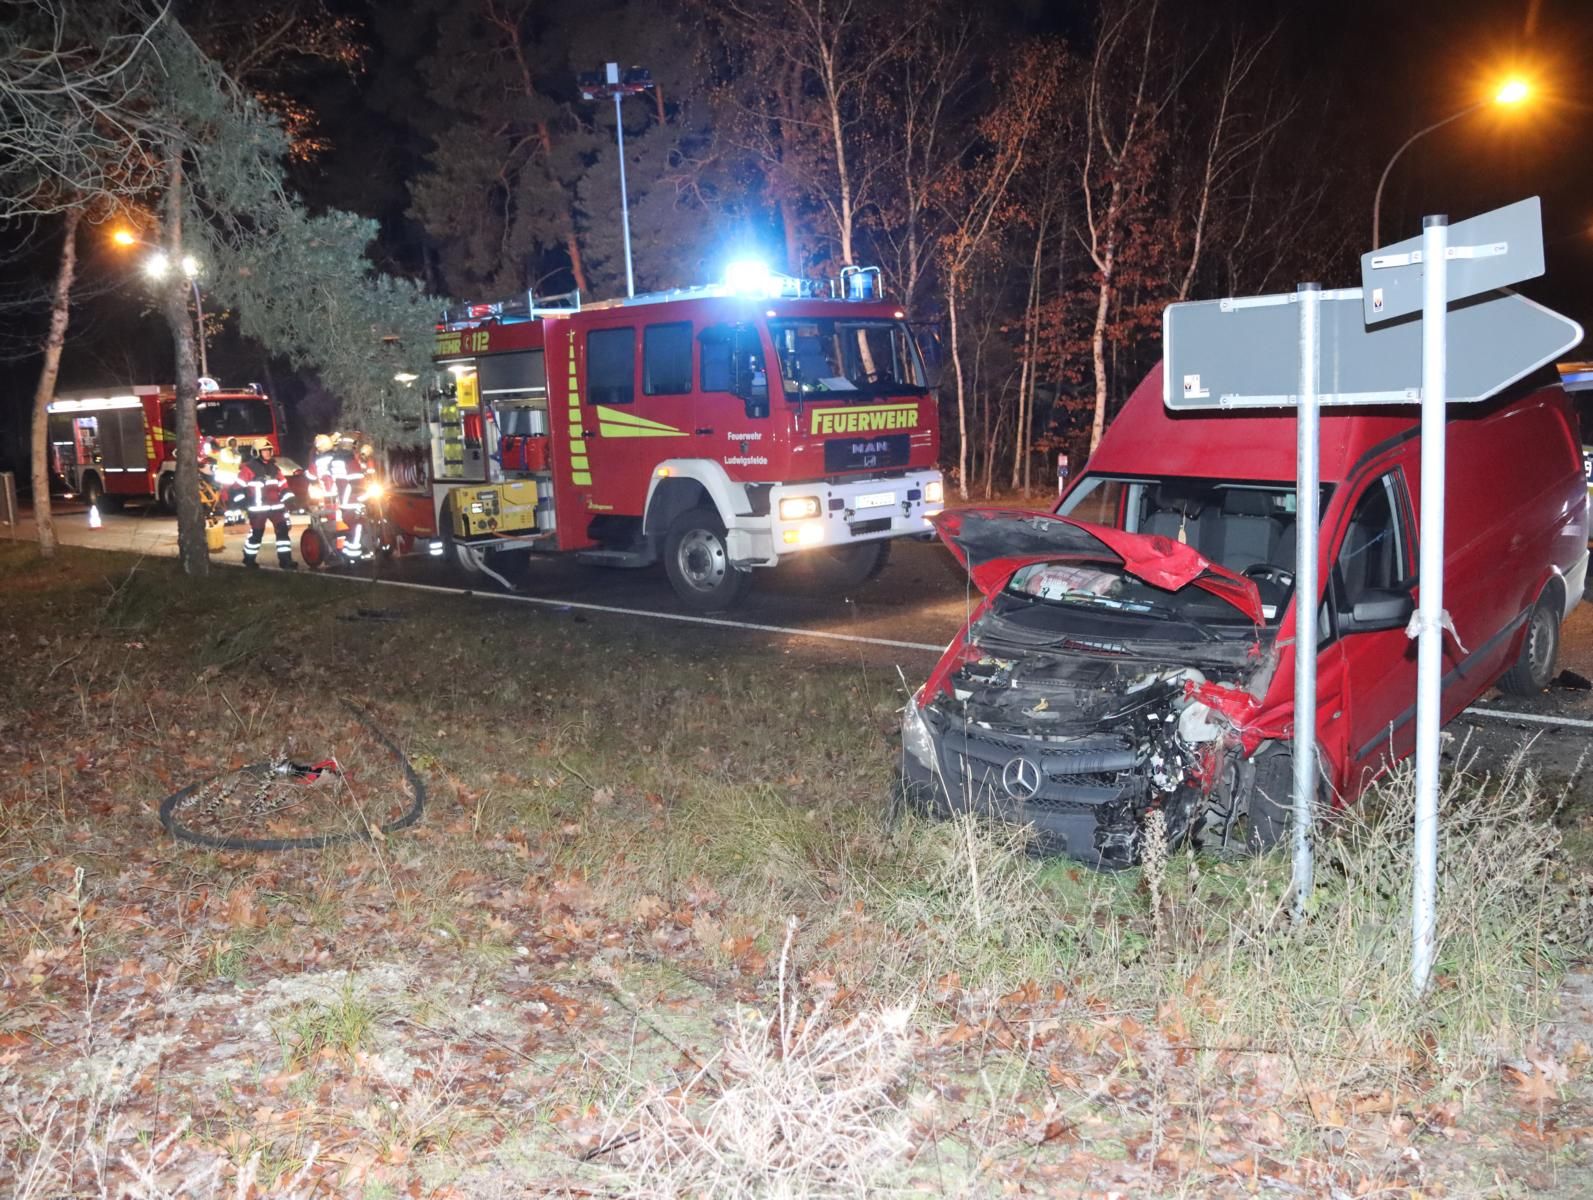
<point x="1133" y="650"/>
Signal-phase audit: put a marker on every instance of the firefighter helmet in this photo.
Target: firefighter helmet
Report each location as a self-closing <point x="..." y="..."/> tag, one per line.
<point x="323" y="442"/>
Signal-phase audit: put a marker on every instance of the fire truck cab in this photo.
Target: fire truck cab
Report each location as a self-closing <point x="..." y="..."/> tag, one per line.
<point x="718" y="429"/>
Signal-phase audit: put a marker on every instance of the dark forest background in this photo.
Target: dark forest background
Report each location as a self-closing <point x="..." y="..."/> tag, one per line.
<point x="1036" y="180"/>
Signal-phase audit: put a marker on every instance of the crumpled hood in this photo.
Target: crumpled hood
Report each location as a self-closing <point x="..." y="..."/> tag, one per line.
<point x="995" y="543"/>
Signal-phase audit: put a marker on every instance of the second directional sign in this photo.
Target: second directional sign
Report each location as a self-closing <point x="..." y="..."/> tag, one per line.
<point x="1492" y="250"/>
<point x="1245" y="353"/>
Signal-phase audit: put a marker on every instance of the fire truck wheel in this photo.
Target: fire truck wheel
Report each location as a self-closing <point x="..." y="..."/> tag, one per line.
<point x="94" y="492"/>
<point x="854" y="565"/>
<point x="312" y="548"/>
<point x="167" y="493"/>
<point x="697" y="561"/>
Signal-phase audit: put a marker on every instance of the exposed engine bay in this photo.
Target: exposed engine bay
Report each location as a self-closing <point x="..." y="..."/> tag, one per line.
<point x="1082" y="699"/>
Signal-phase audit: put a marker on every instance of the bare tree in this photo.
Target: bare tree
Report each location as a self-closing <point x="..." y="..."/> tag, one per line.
<point x="980" y="199"/>
<point x="805" y="100"/>
<point x="71" y="145"/>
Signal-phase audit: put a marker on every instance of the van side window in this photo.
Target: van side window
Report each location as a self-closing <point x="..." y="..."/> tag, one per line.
<point x="611" y="366"/>
<point x="1098" y="501"/>
<point x="666" y="359"/>
<point x="1373" y="556"/>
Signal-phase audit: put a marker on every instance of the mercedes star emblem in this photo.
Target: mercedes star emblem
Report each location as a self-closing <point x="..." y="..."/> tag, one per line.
<point x="1021" y="777"/>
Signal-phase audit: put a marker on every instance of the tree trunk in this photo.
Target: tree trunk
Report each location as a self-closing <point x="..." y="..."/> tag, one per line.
<point x="793" y="236"/>
<point x="1031" y="345"/>
<point x="174" y="305"/>
<point x="60" y="311"/>
<point x="962" y="398"/>
<point x="1098" y="344"/>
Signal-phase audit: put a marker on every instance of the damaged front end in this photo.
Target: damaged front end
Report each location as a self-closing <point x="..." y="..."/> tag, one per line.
<point x="1082" y="696"/>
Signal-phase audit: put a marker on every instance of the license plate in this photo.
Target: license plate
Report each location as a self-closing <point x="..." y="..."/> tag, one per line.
<point x="877" y="500"/>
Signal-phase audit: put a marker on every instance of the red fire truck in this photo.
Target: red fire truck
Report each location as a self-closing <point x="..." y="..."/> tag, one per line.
<point x="717" y="428"/>
<point x="115" y="444"/>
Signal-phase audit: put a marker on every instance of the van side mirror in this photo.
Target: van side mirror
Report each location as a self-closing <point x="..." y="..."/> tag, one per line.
<point x="1378" y="610"/>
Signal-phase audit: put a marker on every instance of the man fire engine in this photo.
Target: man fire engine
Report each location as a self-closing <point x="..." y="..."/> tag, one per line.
<point x="719" y="429"/>
<point x="260" y="490"/>
<point x="120" y="443"/>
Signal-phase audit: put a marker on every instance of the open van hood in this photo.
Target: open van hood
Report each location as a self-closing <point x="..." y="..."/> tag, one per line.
<point x="995" y="543"/>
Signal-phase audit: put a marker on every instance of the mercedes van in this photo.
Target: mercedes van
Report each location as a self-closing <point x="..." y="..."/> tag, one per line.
<point x="1133" y="650"/>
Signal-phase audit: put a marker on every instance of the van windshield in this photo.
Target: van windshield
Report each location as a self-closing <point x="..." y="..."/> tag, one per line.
<point x="1246" y="526"/>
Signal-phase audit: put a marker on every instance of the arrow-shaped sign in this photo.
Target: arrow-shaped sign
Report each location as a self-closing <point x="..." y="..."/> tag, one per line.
<point x="1246" y="353"/>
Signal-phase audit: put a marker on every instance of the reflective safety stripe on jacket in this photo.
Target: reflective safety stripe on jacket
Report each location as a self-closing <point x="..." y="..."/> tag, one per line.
<point x="261" y="488"/>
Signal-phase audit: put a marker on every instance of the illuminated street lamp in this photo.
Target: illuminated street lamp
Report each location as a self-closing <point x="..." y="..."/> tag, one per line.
<point x="610" y="82"/>
<point x="157" y="266"/>
<point x="1512" y="92"/>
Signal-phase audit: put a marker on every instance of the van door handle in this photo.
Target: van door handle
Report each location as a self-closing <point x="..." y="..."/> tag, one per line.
<point x="586" y="433"/>
<point x="702" y="432"/>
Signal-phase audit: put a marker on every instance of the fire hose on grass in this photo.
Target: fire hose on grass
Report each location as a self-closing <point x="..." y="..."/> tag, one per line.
<point x="259" y="793"/>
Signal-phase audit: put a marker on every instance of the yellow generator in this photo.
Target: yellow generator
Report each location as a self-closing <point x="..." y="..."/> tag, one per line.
<point x="497" y="508"/>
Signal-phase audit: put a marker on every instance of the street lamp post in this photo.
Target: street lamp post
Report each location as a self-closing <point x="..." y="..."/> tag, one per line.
<point x="157" y="266"/>
<point x="610" y="82"/>
<point x="1513" y="92"/>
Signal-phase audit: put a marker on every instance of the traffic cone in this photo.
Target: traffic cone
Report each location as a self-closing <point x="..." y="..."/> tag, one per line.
<point x="94" y="517"/>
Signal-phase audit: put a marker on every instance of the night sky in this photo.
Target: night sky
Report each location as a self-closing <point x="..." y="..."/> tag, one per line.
<point x="1376" y="71"/>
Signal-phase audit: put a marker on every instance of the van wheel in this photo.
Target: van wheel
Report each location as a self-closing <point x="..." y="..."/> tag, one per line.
<point x="93" y="491"/>
<point x="167" y="492"/>
<point x="1269" y="809"/>
<point x="854" y="565"/>
<point x="1540" y="648"/>
<point x="697" y="561"/>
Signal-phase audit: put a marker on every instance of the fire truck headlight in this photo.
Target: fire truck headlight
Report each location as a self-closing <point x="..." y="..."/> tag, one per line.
<point x="934" y="492"/>
<point x="799" y="508"/>
<point x="374" y="490"/>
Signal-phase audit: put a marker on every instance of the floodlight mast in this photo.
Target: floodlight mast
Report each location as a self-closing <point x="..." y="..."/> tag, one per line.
<point x="611" y="83"/>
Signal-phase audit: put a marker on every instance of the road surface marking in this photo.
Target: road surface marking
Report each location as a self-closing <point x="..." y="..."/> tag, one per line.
<point x="719" y="622"/>
<point x="1500" y="714"/>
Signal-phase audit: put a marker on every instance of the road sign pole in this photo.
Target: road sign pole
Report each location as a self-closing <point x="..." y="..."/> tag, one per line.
<point x="1430" y="612"/>
<point x="1307" y="522"/>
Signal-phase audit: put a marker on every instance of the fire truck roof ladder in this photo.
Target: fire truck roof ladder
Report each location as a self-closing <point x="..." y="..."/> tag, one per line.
<point x="513" y="311"/>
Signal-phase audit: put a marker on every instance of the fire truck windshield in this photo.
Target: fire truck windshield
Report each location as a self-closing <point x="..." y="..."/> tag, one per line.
<point x="841" y="357"/>
<point x="241" y="417"/>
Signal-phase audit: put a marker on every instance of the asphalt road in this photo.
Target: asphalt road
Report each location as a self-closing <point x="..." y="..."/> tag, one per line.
<point x="918" y="602"/>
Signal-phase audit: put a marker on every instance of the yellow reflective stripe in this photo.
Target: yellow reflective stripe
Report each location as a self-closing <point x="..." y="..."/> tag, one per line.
<point x="619" y="416"/>
<point x="581" y="478"/>
<point x="579" y="463"/>
<point x="632" y="431"/>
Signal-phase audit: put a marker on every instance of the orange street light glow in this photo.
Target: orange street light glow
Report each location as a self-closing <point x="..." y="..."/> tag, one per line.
<point x="1513" y="92"/>
<point x="124" y="237"/>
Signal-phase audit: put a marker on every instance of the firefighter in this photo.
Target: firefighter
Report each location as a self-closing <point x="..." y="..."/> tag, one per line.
<point x="321" y="464"/>
<point x="228" y="463"/>
<point x="261" y="486"/>
<point x="348" y="491"/>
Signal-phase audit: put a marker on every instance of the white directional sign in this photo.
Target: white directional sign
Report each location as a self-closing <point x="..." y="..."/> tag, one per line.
<point x="1485" y="253"/>
<point x="1245" y="353"/>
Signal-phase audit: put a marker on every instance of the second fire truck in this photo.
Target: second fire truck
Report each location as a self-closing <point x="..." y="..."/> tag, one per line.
<point x="116" y="444"/>
<point x="717" y="429"/>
